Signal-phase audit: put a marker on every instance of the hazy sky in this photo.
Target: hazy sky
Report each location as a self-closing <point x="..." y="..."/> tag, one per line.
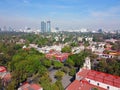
<point x="65" y="14"/>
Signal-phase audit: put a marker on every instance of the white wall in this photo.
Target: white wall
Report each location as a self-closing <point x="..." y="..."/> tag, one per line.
<point x="103" y="85"/>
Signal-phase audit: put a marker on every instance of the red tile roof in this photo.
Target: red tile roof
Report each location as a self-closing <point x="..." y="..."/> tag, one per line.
<point x="109" y="80"/>
<point x="74" y="85"/>
<point x="83" y="73"/>
<point x="2" y="69"/>
<point x="28" y="86"/>
<point x="59" y="56"/>
<point x="7" y="77"/>
<point x="101" y="77"/>
<point x="117" y="82"/>
<point x="82" y="85"/>
<point x="35" y="86"/>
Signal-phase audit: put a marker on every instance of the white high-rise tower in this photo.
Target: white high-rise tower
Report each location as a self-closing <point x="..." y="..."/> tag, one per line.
<point x="87" y="64"/>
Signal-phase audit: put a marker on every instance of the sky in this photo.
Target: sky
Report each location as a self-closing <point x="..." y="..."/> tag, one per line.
<point x="65" y="14"/>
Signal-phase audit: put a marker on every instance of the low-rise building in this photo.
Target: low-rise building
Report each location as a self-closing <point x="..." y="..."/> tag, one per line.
<point x="5" y="76"/>
<point x="108" y="46"/>
<point x="89" y="39"/>
<point x="80" y="39"/>
<point x="33" y="46"/>
<point x="87" y="79"/>
<point x="21" y="41"/>
<point x="76" y="50"/>
<point x="48" y="48"/>
<point x="57" y="55"/>
<point x="111" y="40"/>
<point x="27" y="86"/>
<point x="106" y="56"/>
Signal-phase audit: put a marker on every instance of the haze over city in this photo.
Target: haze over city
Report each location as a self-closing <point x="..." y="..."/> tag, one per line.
<point x="65" y="14"/>
<point x="59" y="44"/>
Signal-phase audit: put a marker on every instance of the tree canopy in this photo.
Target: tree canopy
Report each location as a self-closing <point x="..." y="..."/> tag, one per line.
<point x="66" y="49"/>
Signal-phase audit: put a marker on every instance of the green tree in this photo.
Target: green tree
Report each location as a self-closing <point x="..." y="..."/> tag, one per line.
<point x="45" y="82"/>
<point x="69" y="62"/>
<point x="116" y="46"/>
<point x="42" y="70"/>
<point x="59" y="84"/>
<point x="11" y="86"/>
<point x="1" y="84"/>
<point x="47" y="63"/>
<point x="73" y="44"/>
<point x="78" y="59"/>
<point x="27" y="64"/>
<point x="59" y="75"/>
<point x="66" y="49"/>
<point x="55" y="87"/>
<point x="86" y="43"/>
<point x="65" y="69"/>
<point x="17" y="46"/>
<point x="57" y="64"/>
<point x="72" y="72"/>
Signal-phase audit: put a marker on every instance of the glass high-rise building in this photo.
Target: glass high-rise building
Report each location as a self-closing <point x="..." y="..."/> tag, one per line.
<point x="48" y="26"/>
<point x="43" y="26"/>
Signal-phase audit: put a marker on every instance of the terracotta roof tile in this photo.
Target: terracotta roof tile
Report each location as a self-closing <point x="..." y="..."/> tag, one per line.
<point x="82" y="85"/>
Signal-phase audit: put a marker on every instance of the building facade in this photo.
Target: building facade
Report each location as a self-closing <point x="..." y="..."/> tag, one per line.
<point x="43" y="27"/>
<point x="46" y="26"/>
<point x="5" y="76"/>
<point x="32" y="86"/>
<point x="87" y="79"/>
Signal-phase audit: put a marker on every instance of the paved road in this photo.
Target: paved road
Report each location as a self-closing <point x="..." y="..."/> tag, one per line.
<point x="52" y="74"/>
<point x="66" y="80"/>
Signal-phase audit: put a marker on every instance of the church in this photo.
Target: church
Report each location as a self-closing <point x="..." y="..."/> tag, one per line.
<point x="87" y="79"/>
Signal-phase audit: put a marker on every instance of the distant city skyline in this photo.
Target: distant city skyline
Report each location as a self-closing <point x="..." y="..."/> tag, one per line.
<point x="65" y="14"/>
<point x="45" y="26"/>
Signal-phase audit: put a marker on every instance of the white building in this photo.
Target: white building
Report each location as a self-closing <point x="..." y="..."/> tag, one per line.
<point x="87" y="79"/>
<point x="80" y="39"/>
<point x="76" y="50"/>
<point x="89" y="39"/>
<point x="48" y="48"/>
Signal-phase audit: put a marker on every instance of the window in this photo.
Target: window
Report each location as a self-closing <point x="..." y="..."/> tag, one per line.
<point x="108" y="87"/>
<point x="98" y="84"/>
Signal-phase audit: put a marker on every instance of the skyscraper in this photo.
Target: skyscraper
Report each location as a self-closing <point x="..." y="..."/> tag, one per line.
<point x="100" y="31"/>
<point x="43" y="27"/>
<point x="48" y="26"/>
